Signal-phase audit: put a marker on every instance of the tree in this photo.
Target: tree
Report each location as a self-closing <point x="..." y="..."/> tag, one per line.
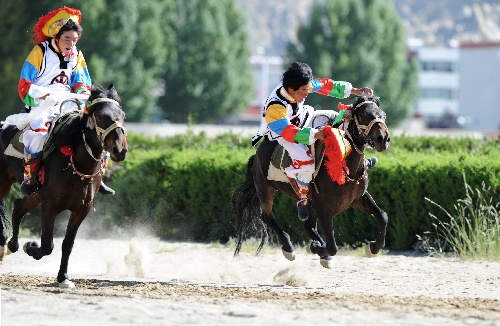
<point x="207" y="73"/>
<point x="124" y="44"/>
<point x="15" y="27"/>
<point x="363" y="42"/>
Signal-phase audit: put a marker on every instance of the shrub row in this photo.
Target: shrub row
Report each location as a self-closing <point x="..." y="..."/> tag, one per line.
<point x="181" y="186"/>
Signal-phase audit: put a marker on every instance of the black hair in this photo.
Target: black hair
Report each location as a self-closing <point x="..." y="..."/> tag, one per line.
<point x="297" y="75"/>
<point x="69" y="26"/>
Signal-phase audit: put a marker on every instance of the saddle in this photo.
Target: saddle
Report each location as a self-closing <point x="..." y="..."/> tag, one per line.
<point x="61" y="126"/>
<point x="280" y="159"/>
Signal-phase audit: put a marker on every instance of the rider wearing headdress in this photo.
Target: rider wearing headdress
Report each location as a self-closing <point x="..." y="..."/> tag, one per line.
<point x="289" y="121"/>
<point x="54" y="63"/>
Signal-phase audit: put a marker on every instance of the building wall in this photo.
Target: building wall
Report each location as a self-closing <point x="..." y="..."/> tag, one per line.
<point x="438" y="82"/>
<point x="480" y="86"/>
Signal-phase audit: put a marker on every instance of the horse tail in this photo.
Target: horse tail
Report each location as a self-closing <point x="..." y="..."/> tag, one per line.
<point x="246" y="208"/>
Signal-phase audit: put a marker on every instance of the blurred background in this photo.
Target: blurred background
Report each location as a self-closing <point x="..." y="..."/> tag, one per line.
<point x="434" y="64"/>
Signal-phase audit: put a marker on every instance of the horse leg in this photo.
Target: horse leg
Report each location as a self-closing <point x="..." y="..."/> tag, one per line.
<point x="330" y="248"/>
<point x="74" y="223"/>
<point x="310" y="227"/>
<point x="266" y="197"/>
<point x="21" y="207"/>
<point x="367" y="204"/>
<point x="47" y="238"/>
<point x="3" y="234"/>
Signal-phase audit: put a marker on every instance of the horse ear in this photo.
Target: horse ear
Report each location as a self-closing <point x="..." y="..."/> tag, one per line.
<point x="112" y="91"/>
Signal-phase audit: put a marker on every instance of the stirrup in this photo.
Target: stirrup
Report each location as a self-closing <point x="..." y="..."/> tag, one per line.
<point x="302" y="210"/>
<point x="28" y="187"/>
<point x="105" y="190"/>
<point x="371" y="162"/>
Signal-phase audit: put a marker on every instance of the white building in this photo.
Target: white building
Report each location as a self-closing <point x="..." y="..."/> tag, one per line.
<point x="480" y="86"/>
<point x="438" y="82"/>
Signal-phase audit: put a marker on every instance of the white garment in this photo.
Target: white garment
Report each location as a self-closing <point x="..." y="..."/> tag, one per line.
<point x="300" y="153"/>
<point x="36" y="132"/>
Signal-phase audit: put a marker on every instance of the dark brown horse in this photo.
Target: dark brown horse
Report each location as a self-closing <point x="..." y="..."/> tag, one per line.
<point x="71" y="176"/>
<point x="253" y="199"/>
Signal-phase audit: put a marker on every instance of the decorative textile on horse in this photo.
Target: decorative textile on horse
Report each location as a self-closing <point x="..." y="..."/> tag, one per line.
<point x="336" y="150"/>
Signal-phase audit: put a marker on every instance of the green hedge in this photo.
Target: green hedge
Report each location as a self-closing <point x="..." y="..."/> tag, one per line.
<point x="182" y="186"/>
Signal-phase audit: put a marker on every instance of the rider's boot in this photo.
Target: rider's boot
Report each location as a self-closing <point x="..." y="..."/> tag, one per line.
<point x="31" y="162"/>
<point x="105" y="190"/>
<point x="371" y="162"/>
<point x="302" y="191"/>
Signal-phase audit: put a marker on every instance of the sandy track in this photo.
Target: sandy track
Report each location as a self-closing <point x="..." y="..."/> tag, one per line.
<point x="158" y="283"/>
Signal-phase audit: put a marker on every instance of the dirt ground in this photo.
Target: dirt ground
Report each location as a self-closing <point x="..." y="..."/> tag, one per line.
<point x="144" y="281"/>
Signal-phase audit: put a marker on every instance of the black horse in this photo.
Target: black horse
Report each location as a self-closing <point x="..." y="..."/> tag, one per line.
<point x="254" y="197"/>
<point x="71" y="176"/>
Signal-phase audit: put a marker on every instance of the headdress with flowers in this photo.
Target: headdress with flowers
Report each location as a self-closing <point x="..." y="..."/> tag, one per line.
<point x="49" y="25"/>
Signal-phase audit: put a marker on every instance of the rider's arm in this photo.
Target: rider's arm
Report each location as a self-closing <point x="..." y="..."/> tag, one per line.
<point x="277" y="120"/>
<point x="28" y="76"/>
<point x="337" y="89"/>
<point x="80" y="78"/>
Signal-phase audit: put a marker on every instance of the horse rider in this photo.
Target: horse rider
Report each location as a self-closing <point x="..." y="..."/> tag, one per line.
<point x="55" y="64"/>
<point x="287" y="120"/>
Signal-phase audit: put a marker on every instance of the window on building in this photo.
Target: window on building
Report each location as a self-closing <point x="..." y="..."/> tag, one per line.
<point x="440" y="66"/>
<point x="438" y="93"/>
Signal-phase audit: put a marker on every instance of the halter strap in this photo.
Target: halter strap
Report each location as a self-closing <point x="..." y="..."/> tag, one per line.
<point x="101" y="99"/>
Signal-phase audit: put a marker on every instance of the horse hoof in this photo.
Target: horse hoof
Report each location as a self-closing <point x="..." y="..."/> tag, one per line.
<point x="3" y="253"/>
<point x="326" y="262"/>
<point x="66" y="284"/>
<point x="288" y="255"/>
<point x="28" y="245"/>
<point x="368" y="251"/>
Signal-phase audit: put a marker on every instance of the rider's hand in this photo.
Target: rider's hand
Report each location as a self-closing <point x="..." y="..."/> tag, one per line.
<point x="363" y="91"/>
<point x="320" y="135"/>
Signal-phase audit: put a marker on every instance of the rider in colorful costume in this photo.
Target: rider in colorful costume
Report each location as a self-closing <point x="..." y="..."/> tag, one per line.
<point x="54" y="63"/>
<point x="290" y="122"/>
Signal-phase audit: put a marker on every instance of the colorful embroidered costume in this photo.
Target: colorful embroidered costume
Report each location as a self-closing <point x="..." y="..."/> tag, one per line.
<point x="49" y="70"/>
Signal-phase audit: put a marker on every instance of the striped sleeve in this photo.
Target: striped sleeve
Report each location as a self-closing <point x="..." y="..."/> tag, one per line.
<point x="278" y="122"/>
<point x="29" y="72"/>
<point x="80" y="78"/>
<point x="329" y="87"/>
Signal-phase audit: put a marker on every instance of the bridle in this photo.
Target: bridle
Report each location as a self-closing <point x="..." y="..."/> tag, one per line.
<point x="100" y="132"/>
<point x="364" y="130"/>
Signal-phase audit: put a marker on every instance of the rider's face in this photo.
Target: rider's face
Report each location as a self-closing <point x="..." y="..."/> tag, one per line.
<point x="67" y="41"/>
<point x="300" y="94"/>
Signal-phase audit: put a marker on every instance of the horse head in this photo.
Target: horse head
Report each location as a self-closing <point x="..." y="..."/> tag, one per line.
<point x="369" y="123"/>
<point x="105" y="116"/>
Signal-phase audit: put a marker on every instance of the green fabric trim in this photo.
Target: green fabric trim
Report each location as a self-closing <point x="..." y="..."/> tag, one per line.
<point x="302" y="137"/>
<point x="339" y="117"/>
<point x="29" y="101"/>
<point x="338" y="89"/>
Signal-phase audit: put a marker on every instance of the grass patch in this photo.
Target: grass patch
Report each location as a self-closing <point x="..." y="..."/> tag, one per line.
<point x="472" y="231"/>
